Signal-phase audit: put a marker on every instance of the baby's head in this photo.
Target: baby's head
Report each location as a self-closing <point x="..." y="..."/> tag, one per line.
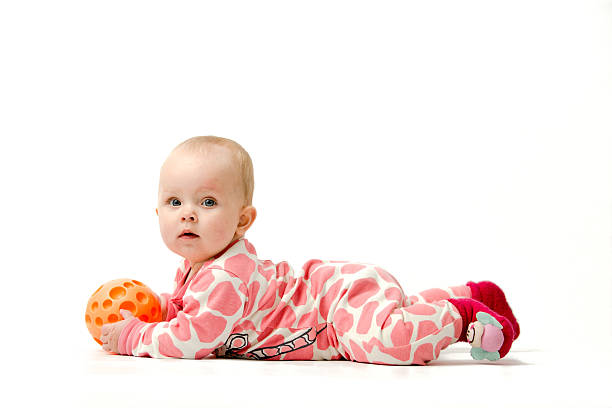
<point x="205" y="186"/>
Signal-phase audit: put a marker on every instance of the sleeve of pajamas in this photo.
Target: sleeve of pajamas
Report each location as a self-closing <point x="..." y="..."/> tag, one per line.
<point x="171" y="308"/>
<point x="213" y="303"/>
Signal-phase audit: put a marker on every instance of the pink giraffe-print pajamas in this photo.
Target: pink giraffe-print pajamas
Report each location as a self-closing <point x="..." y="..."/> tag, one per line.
<point x="239" y="306"/>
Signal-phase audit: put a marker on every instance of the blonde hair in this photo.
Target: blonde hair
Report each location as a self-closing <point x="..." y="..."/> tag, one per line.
<point x="198" y="144"/>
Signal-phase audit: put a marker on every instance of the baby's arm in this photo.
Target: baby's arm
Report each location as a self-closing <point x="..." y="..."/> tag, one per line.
<point x="213" y="303"/>
<point x="163" y="301"/>
<point x="168" y="308"/>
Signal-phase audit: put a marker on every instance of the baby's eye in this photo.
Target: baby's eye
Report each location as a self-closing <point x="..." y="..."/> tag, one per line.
<point x="173" y="200"/>
<point x="209" y="201"/>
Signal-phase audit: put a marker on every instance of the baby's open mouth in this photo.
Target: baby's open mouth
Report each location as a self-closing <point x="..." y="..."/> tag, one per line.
<point x="188" y="234"/>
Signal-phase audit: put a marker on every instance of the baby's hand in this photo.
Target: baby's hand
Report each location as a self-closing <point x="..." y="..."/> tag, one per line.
<point x="112" y="331"/>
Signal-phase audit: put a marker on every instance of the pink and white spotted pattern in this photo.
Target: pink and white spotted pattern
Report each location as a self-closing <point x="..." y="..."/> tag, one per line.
<point x="239" y="306"/>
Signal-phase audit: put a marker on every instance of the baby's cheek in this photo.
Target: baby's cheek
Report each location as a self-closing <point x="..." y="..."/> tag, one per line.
<point x="165" y="230"/>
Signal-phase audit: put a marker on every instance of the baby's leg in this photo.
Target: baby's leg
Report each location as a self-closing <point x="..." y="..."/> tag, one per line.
<point x="486" y="292"/>
<point x="435" y="294"/>
<point x="374" y="322"/>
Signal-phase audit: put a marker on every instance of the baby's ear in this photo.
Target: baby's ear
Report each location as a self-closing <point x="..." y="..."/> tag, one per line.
<point x="246" y="219"/>
<point x="156" y="212"/>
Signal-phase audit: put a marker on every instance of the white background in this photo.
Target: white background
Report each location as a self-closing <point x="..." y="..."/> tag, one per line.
<point x="445" y="141"/>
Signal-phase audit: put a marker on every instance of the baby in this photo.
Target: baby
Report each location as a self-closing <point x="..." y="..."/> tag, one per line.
<point x="229" y="303"/>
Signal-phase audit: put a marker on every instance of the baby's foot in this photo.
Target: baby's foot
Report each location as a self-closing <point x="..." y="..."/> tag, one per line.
<point x="490" y="334"/>
<point x="491" y="295"/>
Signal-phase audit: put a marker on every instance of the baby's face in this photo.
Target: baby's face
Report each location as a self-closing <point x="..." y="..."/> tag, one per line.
<point x="201" y="193"/>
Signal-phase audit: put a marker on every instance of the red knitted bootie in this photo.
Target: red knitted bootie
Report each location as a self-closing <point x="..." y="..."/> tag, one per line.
<point x="490" y="334"/>
<point x="491" y="295"/>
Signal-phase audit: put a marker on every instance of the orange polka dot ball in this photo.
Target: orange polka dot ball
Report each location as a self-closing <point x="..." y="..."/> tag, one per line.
<point x="129" y="294"/>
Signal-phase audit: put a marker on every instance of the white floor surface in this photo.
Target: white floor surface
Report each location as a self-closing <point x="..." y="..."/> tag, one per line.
<point x="528" y="378"/>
